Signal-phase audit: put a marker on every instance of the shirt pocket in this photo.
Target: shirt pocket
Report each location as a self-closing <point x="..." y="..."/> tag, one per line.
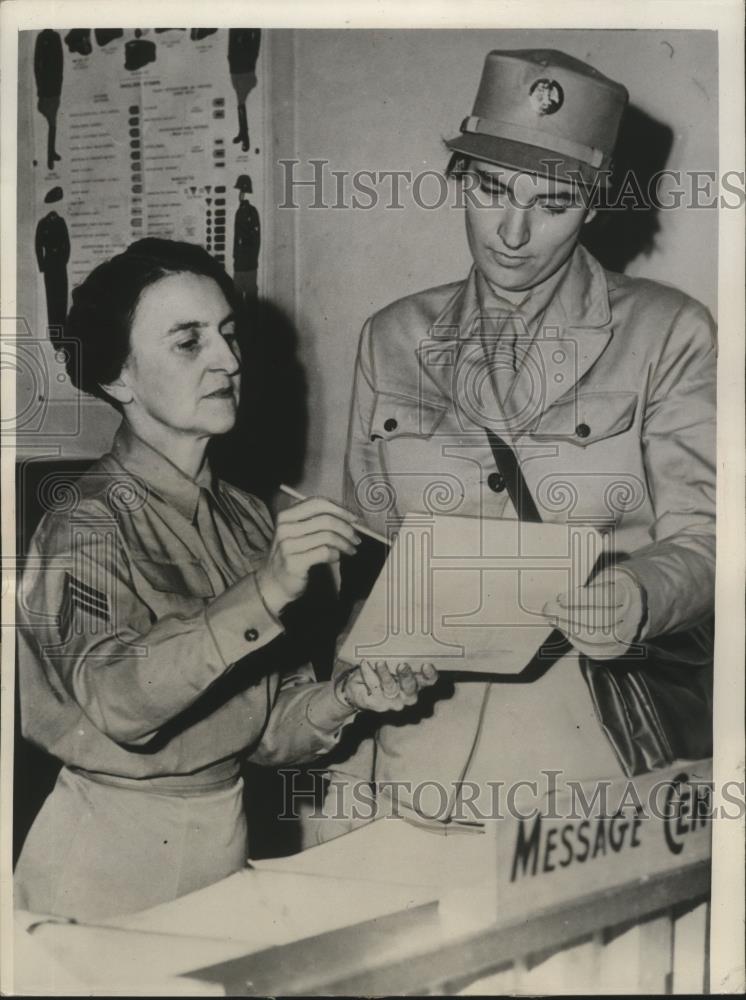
<point x="396" y="416"/>
<point x="588" y="417"/>
<point x="176" y="585"/>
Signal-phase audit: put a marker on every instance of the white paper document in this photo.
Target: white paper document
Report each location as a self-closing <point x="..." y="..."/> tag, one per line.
<point x="275" y="904"/>
<point x="391" y="851"/>
<point x="467" y="594"/>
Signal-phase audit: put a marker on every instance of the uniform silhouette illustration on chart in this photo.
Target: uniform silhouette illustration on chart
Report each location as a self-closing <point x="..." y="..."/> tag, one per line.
<point x="48" y="67"/>
<point x="78" y="41"/>
<point x="243" y="52"/>
<point x="138" y="52"/>
<point x="246" y="240"/>
<point x="52" y="255"/>
<point x="106" y="35"/>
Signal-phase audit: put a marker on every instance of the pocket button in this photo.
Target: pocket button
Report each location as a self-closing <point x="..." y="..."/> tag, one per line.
<point x="496" y="482"/>
<point x="390" y="424"/>
<point x="582" y="430"/>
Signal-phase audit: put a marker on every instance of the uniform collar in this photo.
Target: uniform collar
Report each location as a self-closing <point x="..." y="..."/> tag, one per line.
<point x="578" y="310"/>
<point x="530" y="305"/>
<point x="581" y="298"/>
<point x="159" y="472"/>
<point x="583" y="294"/>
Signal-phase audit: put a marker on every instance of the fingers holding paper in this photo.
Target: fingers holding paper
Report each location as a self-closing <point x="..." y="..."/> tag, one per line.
<point x="377" y="686"/>
<point x="603" y="618"/>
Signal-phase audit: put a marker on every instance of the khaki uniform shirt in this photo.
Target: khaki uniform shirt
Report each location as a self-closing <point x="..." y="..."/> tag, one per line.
<point x="612" y="420"/>
<point x="145" y="649"/>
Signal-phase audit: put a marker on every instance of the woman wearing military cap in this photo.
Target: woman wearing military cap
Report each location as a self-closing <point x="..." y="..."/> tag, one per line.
<point x="557" y="391"/>
<point x="152" y="650"/>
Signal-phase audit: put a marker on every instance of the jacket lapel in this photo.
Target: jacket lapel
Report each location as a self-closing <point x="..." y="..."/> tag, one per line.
<point x="452" y="359"/>
<point x="575" y="331"/>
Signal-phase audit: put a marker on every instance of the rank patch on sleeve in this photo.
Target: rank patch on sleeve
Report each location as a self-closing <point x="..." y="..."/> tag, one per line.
<point x="79" y="596"/>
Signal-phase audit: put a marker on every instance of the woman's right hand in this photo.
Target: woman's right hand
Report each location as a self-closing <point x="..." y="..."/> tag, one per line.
<point x="311" y="532"/>
<point x="376" y="687"/>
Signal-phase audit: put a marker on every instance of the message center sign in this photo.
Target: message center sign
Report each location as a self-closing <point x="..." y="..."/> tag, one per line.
<point x="596" y="835"/>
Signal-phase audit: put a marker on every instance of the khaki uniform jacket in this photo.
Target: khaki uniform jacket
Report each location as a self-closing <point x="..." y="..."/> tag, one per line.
<point x="613" y="423"/>
<point x="143" y="651"/>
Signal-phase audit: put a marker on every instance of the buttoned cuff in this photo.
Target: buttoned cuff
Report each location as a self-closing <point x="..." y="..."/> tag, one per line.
<point x="240" y="622"/>
<point x="327" y="716"/>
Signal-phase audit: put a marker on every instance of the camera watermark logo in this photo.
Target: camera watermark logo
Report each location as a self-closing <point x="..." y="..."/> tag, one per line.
<point x="47" y="406"/>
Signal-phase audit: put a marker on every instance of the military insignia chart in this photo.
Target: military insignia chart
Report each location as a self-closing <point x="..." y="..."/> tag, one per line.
<point x="133" y="133"/>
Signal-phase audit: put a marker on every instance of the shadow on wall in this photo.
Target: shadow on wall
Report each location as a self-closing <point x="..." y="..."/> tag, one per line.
<point x="617" y="236"/>
<point x="268" y="444"/>
<point x="267" y="447"/>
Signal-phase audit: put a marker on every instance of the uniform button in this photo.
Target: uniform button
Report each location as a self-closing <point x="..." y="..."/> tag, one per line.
<point x="251" y="635"/>
<point x="582" y="430"/>
<point x="496" y="482"/>
<point x="390" y="424"/>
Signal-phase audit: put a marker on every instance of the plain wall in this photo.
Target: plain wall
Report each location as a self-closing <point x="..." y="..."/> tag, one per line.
<point x="386" y="100"/>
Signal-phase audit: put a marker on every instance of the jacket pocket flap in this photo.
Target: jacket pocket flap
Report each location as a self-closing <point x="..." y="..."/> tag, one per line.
<point x="185" y="578"/>
<point x="403" y="416"/>
<point x="588" y="417"/>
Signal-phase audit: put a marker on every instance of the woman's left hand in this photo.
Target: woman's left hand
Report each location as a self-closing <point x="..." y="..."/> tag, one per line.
<point x="374" y="687"/>
<point x="602" y="619"/>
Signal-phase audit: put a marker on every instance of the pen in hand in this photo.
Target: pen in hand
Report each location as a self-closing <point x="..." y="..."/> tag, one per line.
<point x="356" y="524"/>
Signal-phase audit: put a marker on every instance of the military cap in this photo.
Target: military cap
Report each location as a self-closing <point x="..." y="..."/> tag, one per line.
<point x="544" y="112"/>
<point x="244" y="184"/>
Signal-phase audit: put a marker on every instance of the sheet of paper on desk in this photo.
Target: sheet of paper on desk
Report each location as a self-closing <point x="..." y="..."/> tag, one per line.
<point x="392" y="850"/>
<point x="257" y="909"/>
<point x="381" y="868"/>
<point x="467" y="593"/>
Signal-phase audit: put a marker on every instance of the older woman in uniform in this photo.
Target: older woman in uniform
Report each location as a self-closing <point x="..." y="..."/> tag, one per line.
<point x="152" y="647"/>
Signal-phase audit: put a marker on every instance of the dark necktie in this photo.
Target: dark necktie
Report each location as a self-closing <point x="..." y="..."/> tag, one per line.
<point x="500" y="332"/>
